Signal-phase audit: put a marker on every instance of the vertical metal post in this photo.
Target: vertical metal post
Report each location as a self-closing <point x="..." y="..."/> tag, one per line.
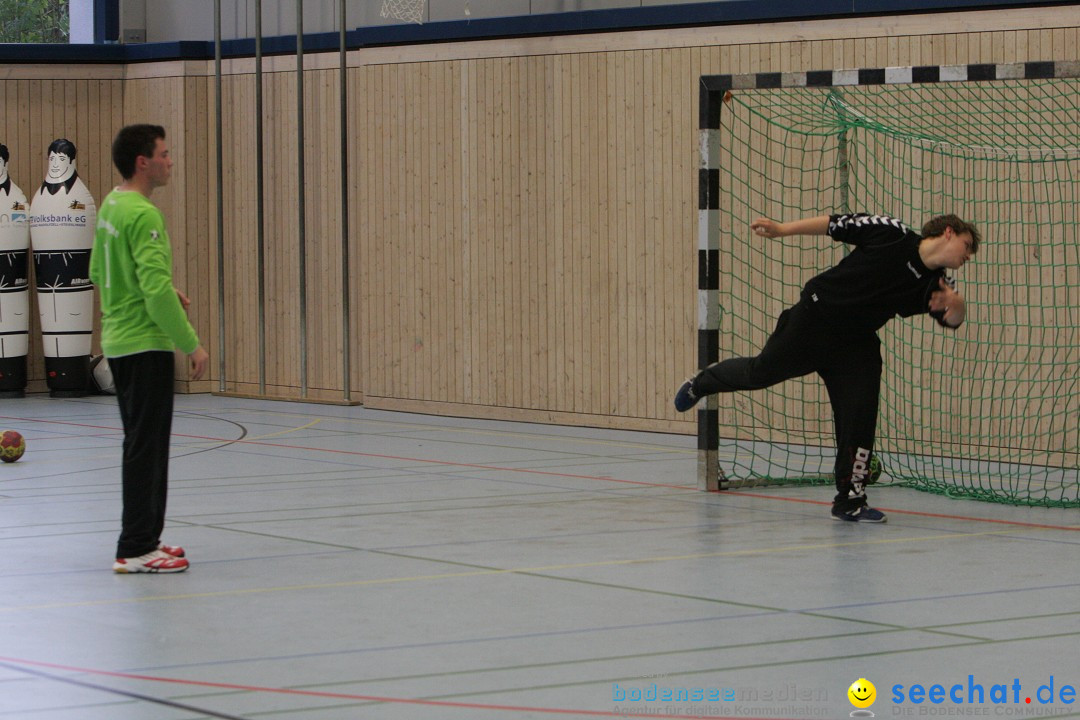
<point x="220" y="198"/>
<point x="260" y="231"/>
<point x="346" y="334"/>
<point x="302" y="185"/>
<point x="710" y="477"/>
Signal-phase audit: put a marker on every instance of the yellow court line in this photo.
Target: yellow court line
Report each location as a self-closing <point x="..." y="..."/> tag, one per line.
<point x="283" y="432"/>
<point x="509" y="571"/>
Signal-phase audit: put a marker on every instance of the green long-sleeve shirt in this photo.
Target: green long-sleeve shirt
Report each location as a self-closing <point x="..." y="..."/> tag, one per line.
<point x="131" y="265"/>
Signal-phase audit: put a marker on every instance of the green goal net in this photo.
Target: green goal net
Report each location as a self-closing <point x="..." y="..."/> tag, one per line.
<point x="988" y="412"/>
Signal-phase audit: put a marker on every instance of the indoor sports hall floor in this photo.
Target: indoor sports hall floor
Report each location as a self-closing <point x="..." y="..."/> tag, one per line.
<point x="351" y="564"/>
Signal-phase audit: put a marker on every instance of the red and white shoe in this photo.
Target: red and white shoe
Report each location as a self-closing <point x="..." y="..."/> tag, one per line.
<point x="152" y="562"/>
<point x="174" y="550"/>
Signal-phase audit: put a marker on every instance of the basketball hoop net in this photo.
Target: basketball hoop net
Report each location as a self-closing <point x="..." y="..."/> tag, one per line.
<point x="406" y="10"/>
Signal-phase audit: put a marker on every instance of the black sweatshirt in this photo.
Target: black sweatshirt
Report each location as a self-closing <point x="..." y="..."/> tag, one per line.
<point x="882" y="277"/>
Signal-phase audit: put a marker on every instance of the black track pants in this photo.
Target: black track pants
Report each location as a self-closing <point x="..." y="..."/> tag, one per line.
<point x="849" y="361"/>
<point x="144" y="390"/>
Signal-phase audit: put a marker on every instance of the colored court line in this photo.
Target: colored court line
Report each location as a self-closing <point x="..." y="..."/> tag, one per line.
<point x="322" y="694"/>
<point x="548" y="473"/>
<point x="380" y="456"/>
<point x="918" y="513"/>
<point x="123" y="693"/>
<point x="479" y="431"/>
<point x="480" y="572"/>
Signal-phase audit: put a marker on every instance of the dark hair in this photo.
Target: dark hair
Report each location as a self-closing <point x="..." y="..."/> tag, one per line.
<point x="936" y="226"/>
<point x="64" y="146"/>
<point x="132" y="142"/>
<point x="4" y="154"/>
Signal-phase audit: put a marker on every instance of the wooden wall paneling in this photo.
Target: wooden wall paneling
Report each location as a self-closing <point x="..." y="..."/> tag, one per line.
<point x="442" y="347"/>
<point x="504" y="333"/>
<point x="393" y="237"/>
<point x="360" y="200"/>
<point x="593" y="272"/>
<point x="466" y="219"/>
<point x="476" y="381"/>
<point x="559" y="192"/>
<point x="282" y="291"/>
<point x="638" y="132"/>
<point x="416" y="129"/>
<point x="229" y="352"/>
<point x="368" y="233"/>
<point x="441" y="355"/>
<point x="459" y="213"/>
<point x="518" y="330"/>
<point x="531" y="100"/>
<point x="242" y="226"/>
<point x="580" y="251"/>
<point x="375" y="311"/>
<point x="591" y="247"/>
<point x="529" y="264"/>
<point x="205" y="205"/>
<point x="435" y="347"/>
<point x="618" y="150"/>
<point x="653" y="99"/>
<point x="439" y="346"/>
<point x="276" y="152"/>
<point x="491" y="353"/>
<point x="326" y="348"/>
<point x="681" y="235"/>
<point x="614" y="239"/>
<point x="674" y="184"/>
<point x="404" y="214"/>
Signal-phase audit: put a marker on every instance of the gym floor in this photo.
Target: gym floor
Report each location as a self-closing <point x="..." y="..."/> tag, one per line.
<point x="351" y="564"/>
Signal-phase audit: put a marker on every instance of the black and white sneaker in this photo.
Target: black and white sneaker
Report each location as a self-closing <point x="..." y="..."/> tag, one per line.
<point x="685" y="397"/>
<point x="864" y="513"/>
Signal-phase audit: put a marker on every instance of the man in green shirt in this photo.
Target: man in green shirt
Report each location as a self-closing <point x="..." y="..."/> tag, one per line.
<point x="142" y="322"/>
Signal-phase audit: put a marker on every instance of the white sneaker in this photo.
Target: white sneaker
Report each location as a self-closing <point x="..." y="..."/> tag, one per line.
<point x="152" y="562"/>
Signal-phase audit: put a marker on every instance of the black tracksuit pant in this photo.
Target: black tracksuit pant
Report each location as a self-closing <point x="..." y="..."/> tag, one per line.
<point x="144" y="389"/>
<point x="848" y="360"/>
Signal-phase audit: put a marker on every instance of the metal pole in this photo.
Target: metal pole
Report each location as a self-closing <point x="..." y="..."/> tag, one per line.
<point x="346" y="335"/>
<point x="302" y="184"/>
<point x="260" y="232"/>
<point x="220" y="199"/>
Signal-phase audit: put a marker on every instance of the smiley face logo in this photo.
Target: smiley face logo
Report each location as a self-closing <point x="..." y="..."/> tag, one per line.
<point x="862" y="693"/>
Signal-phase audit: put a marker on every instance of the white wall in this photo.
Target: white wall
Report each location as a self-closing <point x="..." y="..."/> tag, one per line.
<point x="81" y="22"/>
<point x="194" y="19"/>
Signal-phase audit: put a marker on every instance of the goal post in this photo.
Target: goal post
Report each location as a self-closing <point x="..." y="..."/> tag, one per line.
<point x="989" y="412"/>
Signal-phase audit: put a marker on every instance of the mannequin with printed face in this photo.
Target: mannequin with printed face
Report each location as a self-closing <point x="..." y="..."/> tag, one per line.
<point x="62" y="220"/>
<point x="14" y="287"/>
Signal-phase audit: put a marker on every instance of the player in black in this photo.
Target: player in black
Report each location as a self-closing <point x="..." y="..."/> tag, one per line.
<point x="832" y="330"/>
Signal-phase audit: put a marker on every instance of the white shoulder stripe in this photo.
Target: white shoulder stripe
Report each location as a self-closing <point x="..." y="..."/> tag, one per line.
<point x="845" y="221"/>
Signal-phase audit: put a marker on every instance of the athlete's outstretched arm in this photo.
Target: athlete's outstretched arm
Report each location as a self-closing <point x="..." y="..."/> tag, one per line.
<point x="765" y="227"/>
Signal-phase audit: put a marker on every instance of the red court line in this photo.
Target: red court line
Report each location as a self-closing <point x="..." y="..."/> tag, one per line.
<point x="548" y="473"/>
<point x="336" y="696"/>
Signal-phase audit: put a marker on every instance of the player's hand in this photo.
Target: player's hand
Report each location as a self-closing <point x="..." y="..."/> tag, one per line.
<point x="764" y="227"/>
<point x="200" y="360"/>
<point x="942" y="298"/>
<point x="185" y="301"/>
<point x="949" y="303"/>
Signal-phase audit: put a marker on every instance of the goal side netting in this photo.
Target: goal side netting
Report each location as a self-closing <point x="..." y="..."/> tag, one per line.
<point x="987" y="412"/>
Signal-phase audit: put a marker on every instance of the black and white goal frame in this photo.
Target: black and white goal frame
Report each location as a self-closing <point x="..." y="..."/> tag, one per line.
<point x="711" y="101"/>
